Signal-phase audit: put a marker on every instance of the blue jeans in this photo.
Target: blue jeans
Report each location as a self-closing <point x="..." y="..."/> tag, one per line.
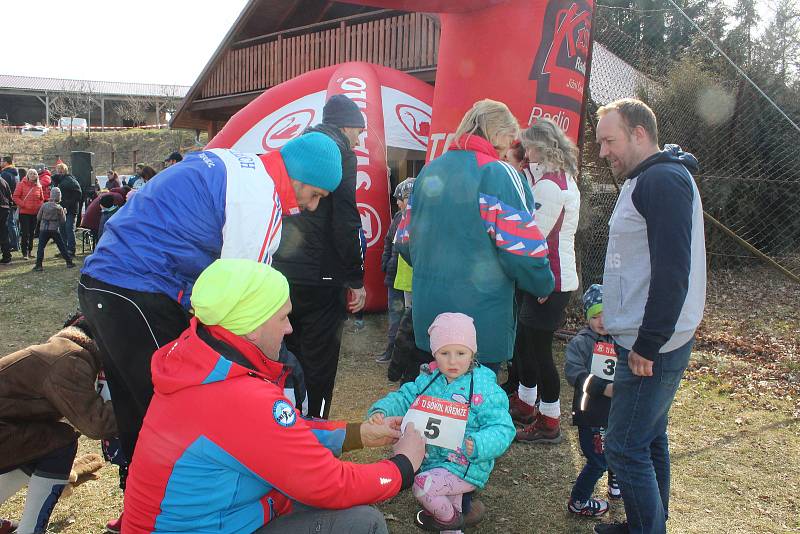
<point x="67" y="230"/>
<point x="13" y="229"/>
<point x="591" y="442"/>
<point x="637" y="448"/>
<point x="397" y="307"/>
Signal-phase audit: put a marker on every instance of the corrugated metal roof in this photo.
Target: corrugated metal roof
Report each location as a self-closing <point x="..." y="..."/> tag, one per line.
<point x="57" y="85"/>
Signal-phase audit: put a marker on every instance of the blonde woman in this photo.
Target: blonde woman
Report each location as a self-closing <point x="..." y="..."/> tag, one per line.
<point x="29" y="197"/>
<point x="469" y="233"/>
<point x="553" y="166"/>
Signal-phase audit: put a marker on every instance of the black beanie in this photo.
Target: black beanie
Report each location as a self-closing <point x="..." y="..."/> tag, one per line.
<point x="342" y="112"/>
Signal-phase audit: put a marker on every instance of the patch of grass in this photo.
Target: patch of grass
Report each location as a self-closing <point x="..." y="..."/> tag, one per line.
<point x="736" y="467"/>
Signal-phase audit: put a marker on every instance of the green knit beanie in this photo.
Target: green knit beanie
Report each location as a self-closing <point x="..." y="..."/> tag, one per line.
<point x="238" y="295"/>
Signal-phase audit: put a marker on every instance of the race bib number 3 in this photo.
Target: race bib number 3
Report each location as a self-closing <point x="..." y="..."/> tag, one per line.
<point x="604" y="360"/>
<point x="443" y="423"/>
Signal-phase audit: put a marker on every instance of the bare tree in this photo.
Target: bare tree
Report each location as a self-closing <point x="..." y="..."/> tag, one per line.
<point x="134" y="109"/>
<point x="74" y="100"/>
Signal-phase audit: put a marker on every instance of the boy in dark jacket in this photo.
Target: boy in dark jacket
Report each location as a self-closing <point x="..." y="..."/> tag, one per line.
<point x="389" y="267"/>
<point x="589" y="368"/>
<point x="50" y="218"/>
<point x="40" y="387"/>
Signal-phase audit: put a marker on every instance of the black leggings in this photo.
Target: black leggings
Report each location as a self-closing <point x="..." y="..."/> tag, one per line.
<point x="27" y="227"/>
<point x="534" y="361"/>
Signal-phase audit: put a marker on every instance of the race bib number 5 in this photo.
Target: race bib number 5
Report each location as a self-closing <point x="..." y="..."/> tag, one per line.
<point x="443" y="423"/>
<point x="604" y="360"/>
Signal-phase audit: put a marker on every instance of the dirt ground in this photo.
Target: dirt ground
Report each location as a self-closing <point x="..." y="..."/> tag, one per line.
<point x="735" y="430"/>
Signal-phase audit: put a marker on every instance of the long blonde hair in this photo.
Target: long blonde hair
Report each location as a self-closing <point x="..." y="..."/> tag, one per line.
<point x="489" y="119"/>
<point x="557" y="151"/>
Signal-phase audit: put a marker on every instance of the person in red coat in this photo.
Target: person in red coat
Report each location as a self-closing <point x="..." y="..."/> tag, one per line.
<point x="45" y="178"/>
<point x="91" y="217"/>
<point x="222" y="449"/>
<point x="29" y="197"/>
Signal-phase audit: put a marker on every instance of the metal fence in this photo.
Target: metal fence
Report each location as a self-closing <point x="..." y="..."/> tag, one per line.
<point x="749" y="178"/>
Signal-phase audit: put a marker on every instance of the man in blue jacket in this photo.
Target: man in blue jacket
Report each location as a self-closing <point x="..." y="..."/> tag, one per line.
<point x="135" y="289"/>
<point x="654" y="284"/>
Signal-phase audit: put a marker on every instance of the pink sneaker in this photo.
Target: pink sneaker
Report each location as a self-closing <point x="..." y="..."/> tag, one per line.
<point x="115" y="525"/>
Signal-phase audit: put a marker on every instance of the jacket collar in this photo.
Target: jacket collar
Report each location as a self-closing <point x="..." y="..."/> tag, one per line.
<point x="273" y="163"/>
<point x="475" y="143"/>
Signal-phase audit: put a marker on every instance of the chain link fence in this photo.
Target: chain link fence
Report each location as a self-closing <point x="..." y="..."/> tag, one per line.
<point x="749" y="177"/>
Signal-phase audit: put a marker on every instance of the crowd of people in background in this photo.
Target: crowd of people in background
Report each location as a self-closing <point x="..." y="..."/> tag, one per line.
<point x="229" y="276"/>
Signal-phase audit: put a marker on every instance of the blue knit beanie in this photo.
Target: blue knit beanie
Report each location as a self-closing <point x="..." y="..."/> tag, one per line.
<point x="342" y="112"/>
<point x="593" y="301"/>
<point x="313" y="159"/>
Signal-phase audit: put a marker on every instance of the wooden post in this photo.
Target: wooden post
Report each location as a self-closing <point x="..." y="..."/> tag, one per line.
<point x="113" y="159"/>
<point x="342" y="27"/>
<point x="135" y="157"/>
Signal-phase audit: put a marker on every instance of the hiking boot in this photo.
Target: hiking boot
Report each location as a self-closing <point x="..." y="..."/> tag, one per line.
<point x="611" y="528"/>
<point x="7" y="526"/>
<point x="543" y="430"/>
<point x="614" y="492"/>
<point x="115" y="525"/>
<point x="70" y="264"/>
<point x="476" y="513"/>
<point x="6" y="259"/>
<point x="521" y="412"/>
<point x="591" y="508"/>
<point x="510" y="387"/>
<point x="38" y="269"/>
<point x="426" y="521"/>
<point x="386" y="357"/>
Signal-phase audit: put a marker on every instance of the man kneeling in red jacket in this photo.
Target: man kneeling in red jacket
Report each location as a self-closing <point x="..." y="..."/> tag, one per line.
<point x="223" y="450"/>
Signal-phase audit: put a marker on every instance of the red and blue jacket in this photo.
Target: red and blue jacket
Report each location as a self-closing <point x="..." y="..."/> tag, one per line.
<point x="223" y="450"/>
<point x="214" y="204"/>
<point x="470" y="235"/>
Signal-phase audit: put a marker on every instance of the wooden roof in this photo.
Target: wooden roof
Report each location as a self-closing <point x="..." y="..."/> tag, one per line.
<point x="259" y="18"/>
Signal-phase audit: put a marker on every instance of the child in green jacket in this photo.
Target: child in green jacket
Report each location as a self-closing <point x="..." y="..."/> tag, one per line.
<point x="458" y="400"/>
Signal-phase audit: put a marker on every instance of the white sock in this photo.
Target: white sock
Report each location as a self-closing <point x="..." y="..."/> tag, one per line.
<point x="550" y="409"/>
<point x="527" y="395"/>
<point x="43" y="494"/>
<point x="11" y="483"/>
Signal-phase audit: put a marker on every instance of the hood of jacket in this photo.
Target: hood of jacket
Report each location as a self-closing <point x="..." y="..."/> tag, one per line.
<point x="670" y="154"/>
<point x="189" y="361"/>
<point x="334" y="133"/>
<point x="82" y="339"/>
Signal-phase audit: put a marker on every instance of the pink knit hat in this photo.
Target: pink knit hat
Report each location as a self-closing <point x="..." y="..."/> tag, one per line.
<point x="453" y="329"/>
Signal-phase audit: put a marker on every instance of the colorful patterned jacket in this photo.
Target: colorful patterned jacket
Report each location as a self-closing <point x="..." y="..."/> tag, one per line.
<point x="469" y="233"/>
<point x="223" y="450"/>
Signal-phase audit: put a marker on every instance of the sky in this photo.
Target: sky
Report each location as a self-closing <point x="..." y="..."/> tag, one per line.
<point x="148" y="41"/>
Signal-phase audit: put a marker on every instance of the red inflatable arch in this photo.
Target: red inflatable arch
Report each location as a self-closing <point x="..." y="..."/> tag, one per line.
<point x="531" y="54"/>
<point x="397" y="110"/>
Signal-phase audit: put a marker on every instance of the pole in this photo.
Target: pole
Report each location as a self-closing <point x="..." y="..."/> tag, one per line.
<point x="750" y="248"/>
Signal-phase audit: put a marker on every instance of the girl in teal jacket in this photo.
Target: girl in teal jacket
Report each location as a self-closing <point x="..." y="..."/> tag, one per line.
<point x="472" y="394"/>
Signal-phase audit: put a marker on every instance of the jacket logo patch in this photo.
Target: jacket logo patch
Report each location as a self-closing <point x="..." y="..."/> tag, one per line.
<point x="385" y="481"/>
<point x="284" y="413"/>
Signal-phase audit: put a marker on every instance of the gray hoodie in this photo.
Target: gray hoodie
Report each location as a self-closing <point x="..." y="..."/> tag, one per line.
<point x="654" y="284"/>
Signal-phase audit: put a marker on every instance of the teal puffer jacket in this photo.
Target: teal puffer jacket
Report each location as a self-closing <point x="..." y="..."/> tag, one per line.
<point x="488" y="425"/>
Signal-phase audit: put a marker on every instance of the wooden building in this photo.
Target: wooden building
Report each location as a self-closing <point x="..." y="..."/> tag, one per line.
<point x="273" y="41"/>
<point x="35" y="100"/>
